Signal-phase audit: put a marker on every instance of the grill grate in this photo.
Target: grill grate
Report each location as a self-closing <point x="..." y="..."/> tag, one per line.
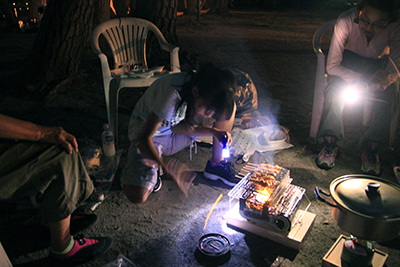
<point x="278" y="209"/>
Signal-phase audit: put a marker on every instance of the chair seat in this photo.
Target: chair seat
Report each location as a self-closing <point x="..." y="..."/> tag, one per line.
<point x="127" y="79"/>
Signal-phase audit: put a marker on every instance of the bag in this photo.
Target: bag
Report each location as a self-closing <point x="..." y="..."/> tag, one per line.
<point x="246" y="97"/>
<point x="261" y="139"/>
<point x="363" y="65"/>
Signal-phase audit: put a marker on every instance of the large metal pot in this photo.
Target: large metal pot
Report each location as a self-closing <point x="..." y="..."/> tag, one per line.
<point x="365" y="206"/>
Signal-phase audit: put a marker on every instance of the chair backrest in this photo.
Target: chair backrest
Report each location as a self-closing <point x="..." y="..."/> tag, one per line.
<point x="319" y="33"/>
<point x="320" y="79"/>
<point x="127" y="40"/>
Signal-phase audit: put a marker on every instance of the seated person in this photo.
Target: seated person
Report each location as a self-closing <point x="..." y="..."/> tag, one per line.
<point x="364" y="51"/>
<point x="174" y="111"/>
<point x="44" y="162"/>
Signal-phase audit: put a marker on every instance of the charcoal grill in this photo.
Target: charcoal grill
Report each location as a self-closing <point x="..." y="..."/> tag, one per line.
<point x="266" y="196"/>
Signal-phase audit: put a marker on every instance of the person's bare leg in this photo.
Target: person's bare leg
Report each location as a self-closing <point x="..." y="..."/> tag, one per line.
<point x="59" y="234"/>
<point x="224" y="125"/>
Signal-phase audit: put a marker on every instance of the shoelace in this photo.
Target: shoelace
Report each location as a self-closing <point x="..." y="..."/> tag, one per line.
<point x="229" y="166"/>
<point x="328" y="150"/>
<point x="80" y="238"/>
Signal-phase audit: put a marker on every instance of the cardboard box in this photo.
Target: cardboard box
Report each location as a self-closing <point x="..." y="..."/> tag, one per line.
<point x="333" y="257"/>
<point x="293" y="239"/>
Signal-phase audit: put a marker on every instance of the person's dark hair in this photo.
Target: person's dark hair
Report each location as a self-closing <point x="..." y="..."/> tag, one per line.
<point x="390" y="7"/>
<point x="216" y="86"/>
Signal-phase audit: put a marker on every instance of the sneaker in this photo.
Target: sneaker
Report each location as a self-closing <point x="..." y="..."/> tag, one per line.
<point x="80" y="222"/>
<point x="370" y="163"/>
<point x="224" y="171"/>
<point x="326" y="158"/>
<point x="158" y="185"/>
<point x="84" y="249"/>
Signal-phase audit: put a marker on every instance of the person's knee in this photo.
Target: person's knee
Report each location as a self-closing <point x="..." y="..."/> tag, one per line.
<point x="136" y="194"/>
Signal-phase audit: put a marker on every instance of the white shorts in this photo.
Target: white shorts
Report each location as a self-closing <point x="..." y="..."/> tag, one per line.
<point x="141" y="171"/>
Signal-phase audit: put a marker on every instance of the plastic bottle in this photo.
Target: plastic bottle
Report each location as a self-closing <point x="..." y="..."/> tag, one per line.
<point x="107" y="138"/>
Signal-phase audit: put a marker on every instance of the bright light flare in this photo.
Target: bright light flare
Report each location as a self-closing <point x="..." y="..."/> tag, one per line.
<point x="351" y="94"/>
<point x="225" y="149"/>
<point x="225" y="152"/>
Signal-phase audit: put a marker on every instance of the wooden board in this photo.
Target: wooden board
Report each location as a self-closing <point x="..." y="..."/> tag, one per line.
<point x="293" y="239"/>
<point x="332" y="257"/>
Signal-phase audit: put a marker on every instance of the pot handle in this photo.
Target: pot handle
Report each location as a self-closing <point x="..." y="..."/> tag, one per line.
<point x="318" y="193"/>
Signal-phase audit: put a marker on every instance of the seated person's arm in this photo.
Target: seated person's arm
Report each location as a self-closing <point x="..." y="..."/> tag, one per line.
<point x="383" y="78"/>
<point x="12" y="128"/>
<point x="335" y="55"/>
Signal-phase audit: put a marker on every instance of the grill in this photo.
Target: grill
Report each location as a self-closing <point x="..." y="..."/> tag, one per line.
<point x="267" y="196"/>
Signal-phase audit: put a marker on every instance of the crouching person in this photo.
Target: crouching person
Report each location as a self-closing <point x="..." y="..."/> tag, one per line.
<point x="44" y="162"/>
<point x="175" y="110"/>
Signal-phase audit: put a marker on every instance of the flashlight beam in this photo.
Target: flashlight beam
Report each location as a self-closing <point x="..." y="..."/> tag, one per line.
<point x="211" y="210"/>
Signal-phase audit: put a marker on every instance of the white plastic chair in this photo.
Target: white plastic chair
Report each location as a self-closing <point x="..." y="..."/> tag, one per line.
<point x="320" y="79"/>
<point x="127" y="38"/>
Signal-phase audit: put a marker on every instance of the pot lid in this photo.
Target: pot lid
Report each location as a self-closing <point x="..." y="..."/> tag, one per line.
<point x="214" y="245"/>
<point x="367" y="195"/>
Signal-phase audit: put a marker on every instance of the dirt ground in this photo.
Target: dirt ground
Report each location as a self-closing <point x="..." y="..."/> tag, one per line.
<point x="275" y="49"/>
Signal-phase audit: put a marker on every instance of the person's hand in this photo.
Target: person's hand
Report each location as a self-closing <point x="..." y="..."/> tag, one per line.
<point x="220" y="136"/>
<point x="379" y="80"/>
<point x="181" y="174"/>
<point x="57" y="135"/>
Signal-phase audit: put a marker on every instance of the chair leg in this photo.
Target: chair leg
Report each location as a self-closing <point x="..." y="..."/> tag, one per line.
<point x="113" y="111"/>
<point x="395" y="117"/>
<point x="318" y="102"/>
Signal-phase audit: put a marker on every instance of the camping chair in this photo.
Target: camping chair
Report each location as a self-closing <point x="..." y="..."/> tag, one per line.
<point x="127" y="39"/>
<point x="321" y="83"/>
<point x="320" y="79"/>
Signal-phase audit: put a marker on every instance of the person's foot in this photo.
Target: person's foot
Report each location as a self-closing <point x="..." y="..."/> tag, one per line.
<point x="80" y="222"/>
<point x="158" y="185"/>
<point x="370" y="163"/>
<point x="224" y="171"/>
<point x="83" y="250"/>
<point x="326" y="157"/>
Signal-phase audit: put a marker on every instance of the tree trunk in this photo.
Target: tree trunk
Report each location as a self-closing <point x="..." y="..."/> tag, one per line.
<point x="219" y="7"/>
<point x="121" y="7"/>
<point x="191" y="7"/>
<point x="102" y="12"/>
<point x="162" y="13"/>
<point x="61" y="42"/>
<point x="65" y="34"/>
